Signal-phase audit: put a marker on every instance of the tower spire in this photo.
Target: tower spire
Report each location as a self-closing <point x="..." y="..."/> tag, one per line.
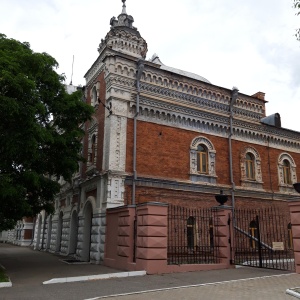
<point x="124" y="7"/>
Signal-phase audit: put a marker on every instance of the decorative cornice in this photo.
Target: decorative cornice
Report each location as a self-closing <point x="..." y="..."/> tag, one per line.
<point x="200" y="102"/>
<point x="187" y="118"/>
<point x="207" y="188"/>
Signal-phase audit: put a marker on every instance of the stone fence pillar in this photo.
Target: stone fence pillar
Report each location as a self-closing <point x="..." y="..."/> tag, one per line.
<point x="152" y="237"/>
<point x="295" y="222"/>
<point x="223" y="232"/>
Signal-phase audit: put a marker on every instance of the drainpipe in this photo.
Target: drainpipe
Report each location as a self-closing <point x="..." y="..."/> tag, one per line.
<point x="234" y="95"/>
<point x="140" y="69"/>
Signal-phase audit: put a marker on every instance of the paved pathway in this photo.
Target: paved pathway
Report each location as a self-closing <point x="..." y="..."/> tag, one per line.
<point x="264" y="288"/>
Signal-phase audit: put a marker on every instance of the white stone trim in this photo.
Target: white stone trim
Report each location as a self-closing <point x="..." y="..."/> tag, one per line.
<point x="257" y="181"/>
<point x="283" y="186"/>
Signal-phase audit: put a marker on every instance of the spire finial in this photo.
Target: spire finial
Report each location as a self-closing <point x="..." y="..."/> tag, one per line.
<point x="124" y="7"/>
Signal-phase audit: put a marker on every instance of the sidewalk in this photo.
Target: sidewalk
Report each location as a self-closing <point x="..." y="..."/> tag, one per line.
<point x="25" y="266"/>
<point x="28" y="270"/>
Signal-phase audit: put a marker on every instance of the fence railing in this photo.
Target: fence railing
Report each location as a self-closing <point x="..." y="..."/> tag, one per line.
<point x="263" y="239"/>
<point x="191" y="236"/>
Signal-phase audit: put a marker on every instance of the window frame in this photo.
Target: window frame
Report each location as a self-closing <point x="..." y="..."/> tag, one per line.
<point x="287" y="176"/>
<point x="255" y="181"/>
<point x="197" y="175"/>
<point x="200" y="155"/>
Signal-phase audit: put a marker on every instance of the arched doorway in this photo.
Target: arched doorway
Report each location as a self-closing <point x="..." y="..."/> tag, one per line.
<point x="73" y="233"/>
<point x="49" y="232"/>
<point x="59" y="232"/>
<point x="88" y="215"/>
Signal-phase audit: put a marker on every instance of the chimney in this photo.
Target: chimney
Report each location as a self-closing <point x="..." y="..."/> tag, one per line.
<point x="259" y="95"/>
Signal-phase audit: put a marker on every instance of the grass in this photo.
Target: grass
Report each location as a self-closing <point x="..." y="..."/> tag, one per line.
<point x="3" y="276"/>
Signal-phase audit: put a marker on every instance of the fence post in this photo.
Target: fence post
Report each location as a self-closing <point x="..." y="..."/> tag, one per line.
<point x="152" y="237"/>
<point x="223" y="230"/>
<point x="295" y="222"/>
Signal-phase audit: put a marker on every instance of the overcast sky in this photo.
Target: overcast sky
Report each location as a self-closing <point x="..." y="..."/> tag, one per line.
<point x="245" y="43"/>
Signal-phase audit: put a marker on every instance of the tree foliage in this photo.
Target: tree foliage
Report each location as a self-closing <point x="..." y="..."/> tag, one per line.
<point x="296" y="5"/>
<point x="39" y="131"/>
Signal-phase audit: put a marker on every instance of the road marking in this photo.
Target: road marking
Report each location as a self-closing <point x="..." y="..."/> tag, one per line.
<point x="188" y="286"/>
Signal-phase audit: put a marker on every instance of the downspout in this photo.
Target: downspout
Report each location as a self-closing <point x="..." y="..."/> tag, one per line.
<point x="234" y="95"/>
<point x="270" y="173"/>
<point x="140" y="69"/>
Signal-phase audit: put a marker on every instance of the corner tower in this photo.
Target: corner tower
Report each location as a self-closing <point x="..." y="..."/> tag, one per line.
<point x="111" y="89"/>
<point x="124" y="37"/>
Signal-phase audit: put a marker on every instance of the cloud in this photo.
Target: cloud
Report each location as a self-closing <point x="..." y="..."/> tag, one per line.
<point x="249" y="44"/>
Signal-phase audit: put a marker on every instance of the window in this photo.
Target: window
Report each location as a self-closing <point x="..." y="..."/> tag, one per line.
<point x="93" y="152"/>
<point x="253" y="234"/>
<point x="92" y="145"/>
<point x="250" y="174"/>
<point x="190" y="232"/>
<point x="202" y="159"/>
<point x="94" y="94"/>
<point x="286" y="172"/>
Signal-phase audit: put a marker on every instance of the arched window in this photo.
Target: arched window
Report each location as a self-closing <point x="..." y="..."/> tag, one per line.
<point x="251" y="174"/>
<point x="92" y="145"/>
<point x="253" y="234"/>
<point x="93" y="152"/>
<point x="190" y="232"/>
<point x="286" y="172"/>
<point x="250" y="169"/>
<point x="202" y="160"/>
<point x="202" y="166"/>
<point x="94" y="96"/>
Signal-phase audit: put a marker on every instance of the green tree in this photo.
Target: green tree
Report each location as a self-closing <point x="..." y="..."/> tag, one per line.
<point x="296" y="5"/>
<point x="39" y="131"/>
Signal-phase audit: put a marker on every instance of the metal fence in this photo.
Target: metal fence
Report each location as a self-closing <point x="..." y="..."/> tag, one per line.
<point x="191" y="236"/>
<point x="263" y="238"/>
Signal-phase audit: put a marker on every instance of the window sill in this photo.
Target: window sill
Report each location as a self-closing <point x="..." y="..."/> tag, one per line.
<point x="252" y="184"/>
<point x="286" y="188"/>
<point x="203" y="178"/>
<point x="91" y="170"/>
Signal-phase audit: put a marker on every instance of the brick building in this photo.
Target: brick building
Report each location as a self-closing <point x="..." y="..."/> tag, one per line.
<point x="165" y="135"/>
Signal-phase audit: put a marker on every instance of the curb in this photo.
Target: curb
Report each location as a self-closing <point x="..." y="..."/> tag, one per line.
<point x="5" y="284"/>
<point x="95" y="277"/>
<point x="293" y="293"/>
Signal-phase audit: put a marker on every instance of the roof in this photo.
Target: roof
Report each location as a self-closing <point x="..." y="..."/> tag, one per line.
<point x="155" y="59"/>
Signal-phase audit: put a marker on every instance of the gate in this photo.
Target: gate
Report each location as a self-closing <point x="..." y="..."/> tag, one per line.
<point x="191" y="236"/>
<point x="263" y="238"/>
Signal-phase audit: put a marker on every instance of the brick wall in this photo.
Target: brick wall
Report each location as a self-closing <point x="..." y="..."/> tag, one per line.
<point x="164" y="152"/>
<point x="100" y="116"/>
<point x="196" y="199"/>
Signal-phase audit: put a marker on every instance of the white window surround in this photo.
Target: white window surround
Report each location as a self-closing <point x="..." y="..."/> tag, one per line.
<point x="94" y="94"/>
<point x="284" y="186"/>
<point x="257" y="181"/>
<point x="211" y="157"/>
